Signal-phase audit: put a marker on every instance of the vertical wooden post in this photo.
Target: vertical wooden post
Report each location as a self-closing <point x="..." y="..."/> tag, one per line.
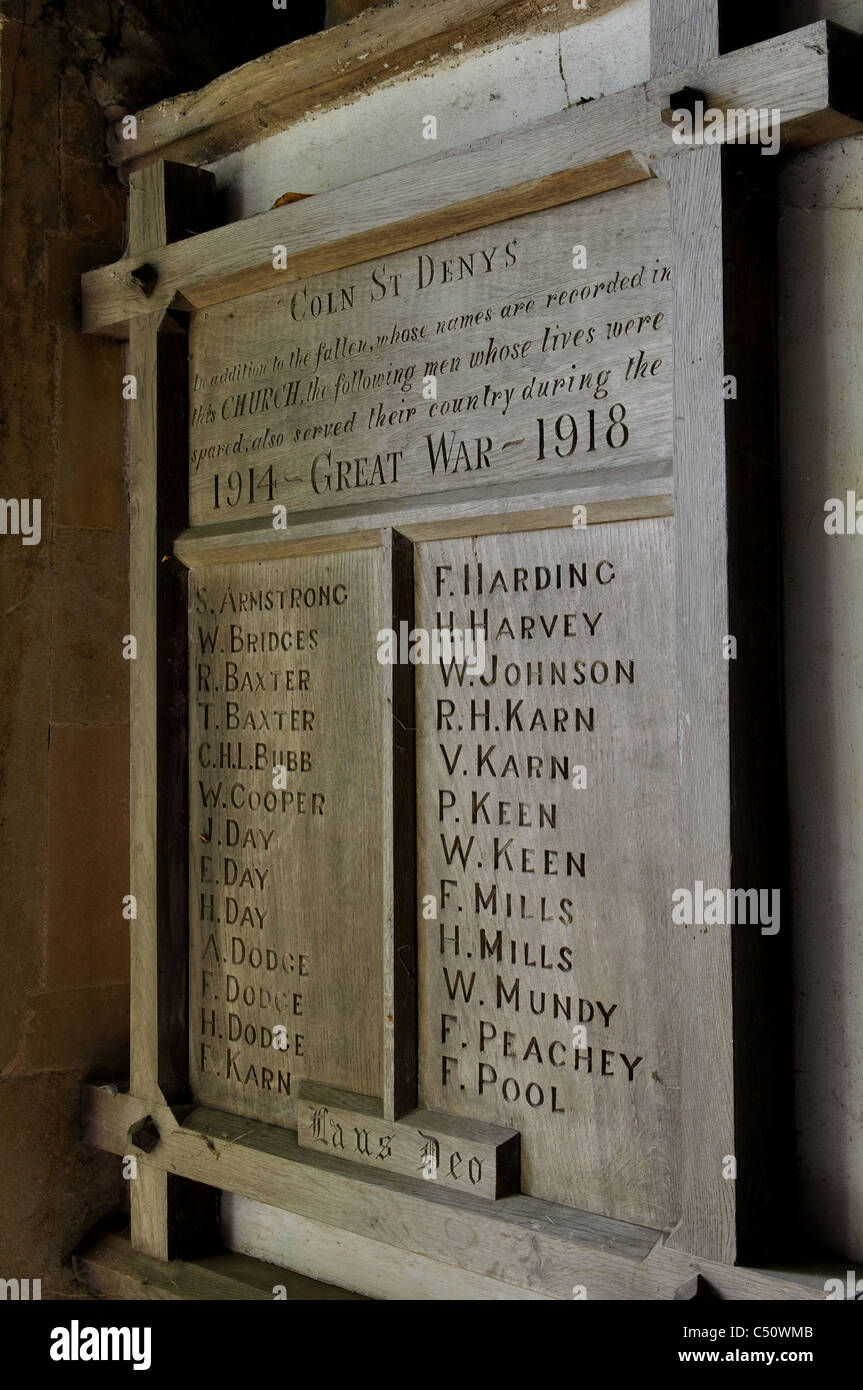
<point x="686" y="34"/>
<point x="142" y="710"/>
<point x="707" y="1226"/>
<point x="158" y="695"/>
<point x="683" y="33"/>
<point x="733" y="979"/>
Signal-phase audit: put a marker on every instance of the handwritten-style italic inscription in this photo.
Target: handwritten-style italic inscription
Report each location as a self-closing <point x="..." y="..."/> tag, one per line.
<point x="285" y="830"/>
<point x="464" y="1156"/>
<point x="532" y="350"/>
<point x="546" y="788"/>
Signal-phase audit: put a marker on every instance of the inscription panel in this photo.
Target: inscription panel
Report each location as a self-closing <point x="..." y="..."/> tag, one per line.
<point x="546" y="796"/>
<point x="465" y="1156"/>
<point x="286" y="823"/>
<point x="535" y="349"/>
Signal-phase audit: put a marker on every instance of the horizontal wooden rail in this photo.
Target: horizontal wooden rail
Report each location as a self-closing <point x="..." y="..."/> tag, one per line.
<point x="584" y="151"/>
<point x="107" y="1263"/>
<point x="522" y="1241"/>
<point x="266" y="95"/>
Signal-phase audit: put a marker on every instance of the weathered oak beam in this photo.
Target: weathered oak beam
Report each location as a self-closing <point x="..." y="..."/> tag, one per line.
<point x="108" y="1264"/>
<point x="163" y="203"/>
<point x="641" y="491"/>
<point x="521" y="1241"/>
<point x="346" y="226"/>
<point x="810" y="76"/>
<point x="266" y="95"/>
<point x="733" y="1112"/>
<point x="581" y="152"/>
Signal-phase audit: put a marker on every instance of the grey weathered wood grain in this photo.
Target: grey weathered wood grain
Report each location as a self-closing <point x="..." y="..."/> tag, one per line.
<point x="285" y="884"/>
<point x="624" y="494"/>
<point x="683" y="33"/>
<point x="356" y="1261"/>
<point x="461" y="1155"/>
<point x="707" y="1224"/>
<point x="614" y="138"/>
<point x="158" y="715"/>
<point x="142" y="711"/>
<point x="538" y="917"/>
<point x="149" y="1213"/>
<point x="527" y="336"/>
<point x="520" y="1241"/>
<point x="249" y="103"/>
<point x="109" y="1263"/>
<point x="149" y="1196"/>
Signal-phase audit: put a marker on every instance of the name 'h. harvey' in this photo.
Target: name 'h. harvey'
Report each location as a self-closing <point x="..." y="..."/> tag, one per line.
<point x="757" y="125"/>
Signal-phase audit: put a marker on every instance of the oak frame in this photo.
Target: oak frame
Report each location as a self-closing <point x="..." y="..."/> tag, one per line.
<point x="144" y="297"/>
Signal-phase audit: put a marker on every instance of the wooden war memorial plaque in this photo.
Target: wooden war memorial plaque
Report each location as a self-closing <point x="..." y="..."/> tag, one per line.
<point x="404" y="913"/>
<point x="498" y="361"/>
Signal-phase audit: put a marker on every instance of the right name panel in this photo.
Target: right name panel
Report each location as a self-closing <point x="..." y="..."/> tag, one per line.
<point x="546" y="793"/>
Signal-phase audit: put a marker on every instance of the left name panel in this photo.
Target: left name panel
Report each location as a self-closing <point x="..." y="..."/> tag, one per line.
<point x="285" y="830"/>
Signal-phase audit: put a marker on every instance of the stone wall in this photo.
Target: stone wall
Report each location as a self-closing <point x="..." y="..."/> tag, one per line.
<point x="64" y="602"/>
